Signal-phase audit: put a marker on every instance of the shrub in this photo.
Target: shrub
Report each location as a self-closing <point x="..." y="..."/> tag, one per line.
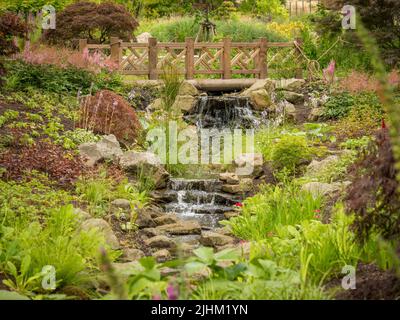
<point x="44" y="157"/>
<point x="373" y="195"/>
<point x="10" y="26"/>
<point x="290" y="152"/>
<point x="49" y="78"/>
<point x="97" y="22"/>
<point x="109" y="113"/>
<point x="338" y="106"/>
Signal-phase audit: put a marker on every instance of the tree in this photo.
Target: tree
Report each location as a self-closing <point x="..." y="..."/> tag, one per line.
<point x="97" y="22"/>
<point x="380" y="17"/>
<point x="10" y="26"/>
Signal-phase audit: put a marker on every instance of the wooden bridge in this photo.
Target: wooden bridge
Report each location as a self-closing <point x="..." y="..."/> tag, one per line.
<point x="220" y="60"/>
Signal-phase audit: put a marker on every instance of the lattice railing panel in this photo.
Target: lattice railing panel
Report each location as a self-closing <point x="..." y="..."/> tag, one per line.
<point x="283" y="61"/>
<point x="134" y="59"/>
<point x="171" y="56"/>
<point x="244" y="58"/>
<point x="208" y="60"/>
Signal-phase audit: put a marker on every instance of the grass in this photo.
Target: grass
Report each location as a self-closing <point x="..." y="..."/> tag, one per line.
<point x="271" y="208"/>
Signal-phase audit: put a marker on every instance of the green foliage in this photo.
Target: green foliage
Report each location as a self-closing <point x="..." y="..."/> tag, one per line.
<point x="319" y="250"/>
<point x="338" y="106"/>
<point x="271" y="208"/>
<point x="73" y="138"/>
<point x="271" y="8"/>
<point x="290" y="152"/>
<point x="178" y="29"/>
<point x="22" y="76"/>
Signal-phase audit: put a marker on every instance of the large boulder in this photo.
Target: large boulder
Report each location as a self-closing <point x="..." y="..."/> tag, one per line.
<point x="265" y="84"/>
<point x="213" y="239"/>
<point x="109" y="113"/>
<point x="329" y="190"/>
<point x="188" y="89"/>
<point x="181" y="228"/>
<point x="245" y="185"/>
<point x="293" y="97"/>
<point x="106" y="149"/>
<point x="132" y="255"/>
<point x="103" y="227"/>
<point x="261" y="99"/>
<point x="317" y="166"/>
<point x="137" y="163"/>
<point x="144" y="220"/>
<point x="143" y="37"/>
<point x="184" y="103"/>
<point x="290" y="84"/>
<point x="160" y="242"/>
<point x="249" y="164"/>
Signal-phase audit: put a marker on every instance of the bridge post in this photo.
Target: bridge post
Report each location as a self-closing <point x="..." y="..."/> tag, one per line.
<point x="299" y="70"/>
<point x="115" y="50"/>
<point x="262" y="59"/>
<point x="226" y="62"/>
<point x="153" y="57"/>
<point x="82" y="45"/>
<point x="189" y="59"/>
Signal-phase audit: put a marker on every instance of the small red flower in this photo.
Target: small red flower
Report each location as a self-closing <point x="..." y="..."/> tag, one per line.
<point x="383" y="124"/>
<point x="317" y="211"/>
<point x="239" y="205"/>
<point x="317" y="216"/>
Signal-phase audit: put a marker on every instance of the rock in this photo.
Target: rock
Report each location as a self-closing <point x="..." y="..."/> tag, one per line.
<point x="245" y="185"/>
<point x="144" y="37"/>
<point x="104" y="228"/>
<point x="261" y="99"/>
<point x="82" y="215"/>
<point x="229" y="178"/>
<point x="132" y="254"/>
<point x="213" y="239"/>
<point x="155" y="211"/>
<point x="231" y="214"/>
<point x="224" y="231"/>
<point x="160" y="242"/>
<point x="144" y="220"/>
<point x="166" y="219"/>
<point x="188" y="89"/>
<point x="289" y="109"/>
<point x="151" y="232"/>
<point x="162" y="255"/>
<point x="122" y="204"/>
<point x="148" y="163"/>
<point x="155" y="105"/>
<point x="293" y="97"/>
<point x="316" y="114"/>
<point x="290" y="84"/>
<point x="317" y="166"/>
<point x="325" y="189"/>
<point x="186" y="249"/>
<point x="265" y="84"/>
<point x="249" y="164"/>
<point x="181" y="228"/>
<point x="107" y="149"/>
<point x="184" y="104"/>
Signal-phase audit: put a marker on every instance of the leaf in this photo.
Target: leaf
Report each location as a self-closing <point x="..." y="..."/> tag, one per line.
<point x="12" y="268"/>
<point x="227" y="255"/>
<point x="25" y="264"/>
<point x="205" y="254"/>
<point x="194" y="267"/>
<point x="10" y="295"/>
<point x="148" y="262"/>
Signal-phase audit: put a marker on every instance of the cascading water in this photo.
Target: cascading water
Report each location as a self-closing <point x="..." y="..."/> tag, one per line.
<point x="204" y="200"/>
<point x="201" y="200"/>
<point x="223" y="112"/>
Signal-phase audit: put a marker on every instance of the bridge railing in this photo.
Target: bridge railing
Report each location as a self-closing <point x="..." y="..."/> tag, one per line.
<point x="225" y="60"/>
